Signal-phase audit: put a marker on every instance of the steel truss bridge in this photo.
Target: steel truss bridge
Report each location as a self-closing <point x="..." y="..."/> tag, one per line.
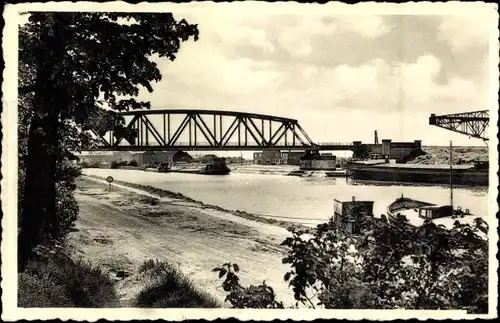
<point x="209" y="130"/>
<point x="473" y="124"/>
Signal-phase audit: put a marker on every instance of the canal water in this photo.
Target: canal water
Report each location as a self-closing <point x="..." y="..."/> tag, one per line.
<point x="304" y="200"/>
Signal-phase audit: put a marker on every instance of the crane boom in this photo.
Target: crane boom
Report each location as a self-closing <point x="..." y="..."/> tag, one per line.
<point x="473" y="124"/>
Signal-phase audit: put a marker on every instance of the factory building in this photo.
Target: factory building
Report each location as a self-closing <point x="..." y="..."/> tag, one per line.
<point x="313" y="160"/>
<point x="399" y="151"/>
<point x="268" y="157"/>
<point x="277" y="157"/>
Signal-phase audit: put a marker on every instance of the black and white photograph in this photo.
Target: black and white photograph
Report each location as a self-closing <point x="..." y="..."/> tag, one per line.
<point x="190" y="160"/>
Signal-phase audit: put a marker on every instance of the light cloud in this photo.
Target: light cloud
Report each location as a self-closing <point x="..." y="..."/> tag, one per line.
<point x="297" y="35"/>
<point x="465" y="32"/>
<point x="269" y="64"/>
<point x="364" y="25"/>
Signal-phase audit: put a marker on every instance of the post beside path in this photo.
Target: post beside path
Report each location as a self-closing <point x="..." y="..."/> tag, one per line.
<point x="109" y="179"/>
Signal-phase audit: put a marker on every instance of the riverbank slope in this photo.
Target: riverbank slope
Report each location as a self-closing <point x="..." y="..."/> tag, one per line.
<point x="461" y="155"/>
<point x="121" y="228"/>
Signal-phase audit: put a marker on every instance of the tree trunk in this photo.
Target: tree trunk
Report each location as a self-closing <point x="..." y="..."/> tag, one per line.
<point x="39" y="220"/>
<point x="39" y="210"/>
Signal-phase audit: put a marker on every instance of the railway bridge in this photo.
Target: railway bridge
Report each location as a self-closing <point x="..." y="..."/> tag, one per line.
<point x="182" y="129"/>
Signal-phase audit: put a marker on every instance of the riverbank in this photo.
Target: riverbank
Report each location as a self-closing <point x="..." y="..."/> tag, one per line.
<point x="156" y="192"/>
<point x="121" y="228"/>
<point x="461" y="155"/>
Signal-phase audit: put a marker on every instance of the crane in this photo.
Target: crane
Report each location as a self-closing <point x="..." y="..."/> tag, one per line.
<point x="474" y="124"/>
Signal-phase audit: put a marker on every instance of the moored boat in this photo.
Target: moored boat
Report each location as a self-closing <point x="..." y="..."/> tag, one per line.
<point x="217" y="166"/>
<point x="417" y="212"/>
<point x="470" y="175"/>
<point x="336" y="173"/>
<point x="298" y="173"/>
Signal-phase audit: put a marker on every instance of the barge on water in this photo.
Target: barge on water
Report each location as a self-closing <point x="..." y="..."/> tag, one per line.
<point x="217" y="166"/>
<point x="470" y="175"/>
<point x="417" y="212"/>
<point x="337" y="173"/>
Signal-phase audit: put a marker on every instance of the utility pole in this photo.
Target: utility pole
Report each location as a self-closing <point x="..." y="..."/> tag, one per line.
<point x="451" y="176"/>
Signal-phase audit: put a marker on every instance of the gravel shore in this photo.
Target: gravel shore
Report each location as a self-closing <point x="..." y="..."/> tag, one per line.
<point x="121" y="228"/>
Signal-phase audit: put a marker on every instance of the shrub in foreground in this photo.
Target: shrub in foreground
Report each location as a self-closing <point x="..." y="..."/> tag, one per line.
<point x="56" y="280"/>
<point x="168" y="287"/>
<point x="389" y="265"/>
<point x="260" y="296"/>
<point x="36" y="291"/>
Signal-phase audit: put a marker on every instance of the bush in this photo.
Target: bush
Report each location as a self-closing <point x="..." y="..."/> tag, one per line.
<point x="35" y="291"/>
<point x="389" y="265"/>
<point x="114" y="164"/>
<point x="261" y="296"/>
<point x="66" y="204"/>
<point x="86" y="164"/>
<point x="66" y="210"/>
<point x="149" y="200"/>
<point x="166" y="287"/>
<point x="66" y="282"/>
<point x="132" y="163"/>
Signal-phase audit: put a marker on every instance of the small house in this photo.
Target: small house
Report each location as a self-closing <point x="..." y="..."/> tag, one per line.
<point x="314" y="161"/>
<point x="268" y="156"/>
<point x="207" y="158"/>
<point x="348" y="214"/>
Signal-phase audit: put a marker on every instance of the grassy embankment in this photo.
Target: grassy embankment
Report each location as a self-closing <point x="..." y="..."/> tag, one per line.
<point x="168" y="287"/>
<point x="56" y="280"/>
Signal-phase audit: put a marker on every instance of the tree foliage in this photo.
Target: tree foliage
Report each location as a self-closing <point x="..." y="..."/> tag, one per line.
<point x="72" y="65"/>
<point x="260" y="296"/>
<point x="389" y="265"/>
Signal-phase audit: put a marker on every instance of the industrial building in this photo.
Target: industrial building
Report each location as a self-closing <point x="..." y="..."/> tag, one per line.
<point x="293" y="157"/>
<point x="400" y="151"/>
<point x="268" y="157"/>
<point x="396" y="150"/>
<point x="277" y="157"/>
<point x="158" y="157"/>
<point x="313" y="160"/>
<point x="142" y="158"/>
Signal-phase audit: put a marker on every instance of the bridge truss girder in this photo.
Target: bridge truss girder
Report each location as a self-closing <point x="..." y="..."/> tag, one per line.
<point x="250" y="132"/>
<point x="473" y="124"/>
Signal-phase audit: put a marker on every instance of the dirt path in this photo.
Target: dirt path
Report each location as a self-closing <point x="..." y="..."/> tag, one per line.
<point x="120" y="229"/>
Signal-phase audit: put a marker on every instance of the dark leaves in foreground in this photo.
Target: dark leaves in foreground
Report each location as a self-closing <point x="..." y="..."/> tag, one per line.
<point x="389" y="265"/>
<point x="261" y="296"/>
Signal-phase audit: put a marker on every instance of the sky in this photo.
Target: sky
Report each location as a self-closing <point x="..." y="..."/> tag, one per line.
<point x="341" y="76"/>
